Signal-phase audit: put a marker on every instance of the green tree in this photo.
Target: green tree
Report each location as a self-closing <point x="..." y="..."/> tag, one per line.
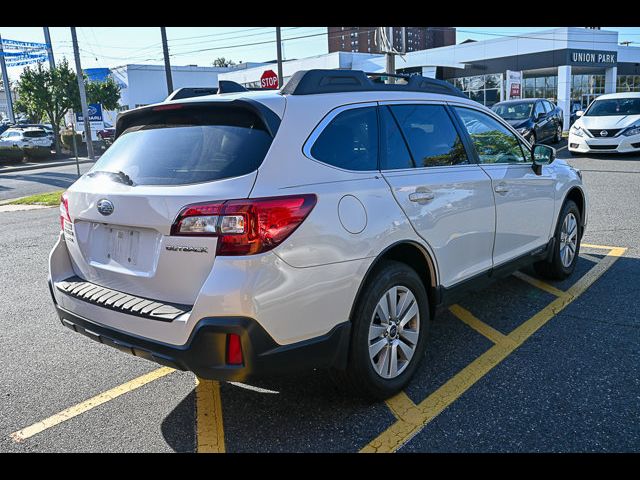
<point x="106" y="93"/>
<point x="49" y="94"/>
<point x="44" y="93"/>
<point x="223" y="62"/>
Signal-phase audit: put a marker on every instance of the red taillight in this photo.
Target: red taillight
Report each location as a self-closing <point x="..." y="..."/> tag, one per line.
<point x="64" y="210"/>
<point x="234" y="349"/>
<point x="245" y="227"/>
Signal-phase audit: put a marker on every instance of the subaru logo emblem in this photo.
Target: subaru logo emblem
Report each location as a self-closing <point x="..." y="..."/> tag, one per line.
<point x="604" y="133"/>
<point x="105" y="207"/>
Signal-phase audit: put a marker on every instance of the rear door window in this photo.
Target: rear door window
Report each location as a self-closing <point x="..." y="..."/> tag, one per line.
<point x="395" y="154"/>
<point x="350" y="140"/>
<point x="432" y="138"/>
<point x="191" y="145"/>
<point x="35" y="134"/>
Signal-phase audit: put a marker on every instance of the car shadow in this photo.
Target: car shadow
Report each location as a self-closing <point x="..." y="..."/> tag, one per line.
<point x="178" y="427"/>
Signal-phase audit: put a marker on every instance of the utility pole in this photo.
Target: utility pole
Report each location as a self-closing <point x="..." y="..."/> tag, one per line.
<point x="7" y="85"/>
<point x="83" y="95"/>
<point x="47" y="40"/>
<point x="279" y="56"/>
<point x="167" y="65"/>
<point x="389" y="55"/>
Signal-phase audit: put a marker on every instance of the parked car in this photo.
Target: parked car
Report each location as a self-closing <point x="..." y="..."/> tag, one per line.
<point x="611" y="124"/>
<point x="20" y="142"/>
<point x="46" y="127"/>
<point x="234" y="237"/>
<point x="107" y="134"/>
<point x="536" y="119"/>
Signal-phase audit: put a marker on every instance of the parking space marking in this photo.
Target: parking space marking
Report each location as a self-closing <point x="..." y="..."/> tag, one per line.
<point x="599" y="247"/>
<point x="482" y="328"/>
<point x="415" y="419"/>
<point x="21" y="435"/>
<point x="556" y="292"/>
<point x="591" y="258"/>
<point x="209" y="425"/>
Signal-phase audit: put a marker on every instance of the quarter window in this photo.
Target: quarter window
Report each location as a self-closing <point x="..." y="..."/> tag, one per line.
<point x="350" y="140"/>
<point x="432" y="138"/>
<point x="493" y="142"/>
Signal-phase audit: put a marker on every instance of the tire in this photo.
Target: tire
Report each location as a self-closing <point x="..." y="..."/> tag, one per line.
<point x="361" y="375"/>
<point x="562" y="263"/>
<point x="558" y="136"/>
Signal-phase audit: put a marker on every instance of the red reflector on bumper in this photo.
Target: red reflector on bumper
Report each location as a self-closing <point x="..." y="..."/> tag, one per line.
<point x="234" y="349"/>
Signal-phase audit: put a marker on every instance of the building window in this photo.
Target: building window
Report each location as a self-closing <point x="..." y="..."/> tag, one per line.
<point x="484" y="89"/>
<point x="541" y="87"/>
<point x="628" y="83"/>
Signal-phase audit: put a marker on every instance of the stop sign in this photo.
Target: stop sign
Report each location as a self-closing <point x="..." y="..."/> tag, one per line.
<point x="269" y="79"/>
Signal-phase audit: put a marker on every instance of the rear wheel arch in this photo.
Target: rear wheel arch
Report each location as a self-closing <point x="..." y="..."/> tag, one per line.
<point x="413" y="255"/>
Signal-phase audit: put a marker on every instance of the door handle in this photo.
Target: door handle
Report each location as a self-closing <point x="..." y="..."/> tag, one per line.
<point x="421" y="196"/>
<point x="501" y="188"/>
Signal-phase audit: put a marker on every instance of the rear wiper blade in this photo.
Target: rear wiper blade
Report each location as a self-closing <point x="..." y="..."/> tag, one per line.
<point x="119" y="175"/>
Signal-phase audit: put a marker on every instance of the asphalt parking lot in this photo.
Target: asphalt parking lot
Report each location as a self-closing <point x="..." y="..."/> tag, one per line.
<point x="523" y="366"/>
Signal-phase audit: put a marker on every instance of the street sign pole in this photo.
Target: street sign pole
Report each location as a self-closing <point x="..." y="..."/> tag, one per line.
<point x="83" y="95"/>
<point x="279" y="56"/>
<point x="75" y="146"/>
<point x="167" y="64"/>
<point x="7" y="85"/>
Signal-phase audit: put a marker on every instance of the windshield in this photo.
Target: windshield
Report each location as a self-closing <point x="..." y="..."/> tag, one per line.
<point x="188" y="146"/>
<point x="514" y="111"/>
<point x="614" y="106"/>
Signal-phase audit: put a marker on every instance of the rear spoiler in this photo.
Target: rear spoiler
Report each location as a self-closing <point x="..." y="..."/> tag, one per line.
<point x="224" y="86"/>
<point x="270" y="119"/>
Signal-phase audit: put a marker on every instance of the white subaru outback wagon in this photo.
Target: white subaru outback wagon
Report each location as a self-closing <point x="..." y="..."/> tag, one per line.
<point x="248" y="234"/>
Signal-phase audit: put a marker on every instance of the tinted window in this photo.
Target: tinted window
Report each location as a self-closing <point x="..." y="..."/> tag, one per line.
<point x="395" y="154"/>
<point x="494" y="143"/>
<point x="35" y="133"/>
<point x="431" y="136"/>
<point x="184" y="146"/>
<point x="547" y="107"/>
<point x="350" y="140"/>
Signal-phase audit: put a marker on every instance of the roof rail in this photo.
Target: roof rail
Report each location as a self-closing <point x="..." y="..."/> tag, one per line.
<point x="309" y="82"/>
<point x="224" y="86"/>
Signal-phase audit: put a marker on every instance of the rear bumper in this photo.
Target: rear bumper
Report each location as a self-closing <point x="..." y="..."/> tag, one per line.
<point x="204" y="352"/>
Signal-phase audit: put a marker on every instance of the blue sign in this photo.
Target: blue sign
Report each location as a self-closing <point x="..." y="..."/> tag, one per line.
<point x="95" y="113"/>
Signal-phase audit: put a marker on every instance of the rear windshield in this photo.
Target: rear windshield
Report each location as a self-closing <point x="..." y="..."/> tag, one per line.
<point x="195" y="145"/>
<point x="34" y="133"/>
<point x="616" y="106"/>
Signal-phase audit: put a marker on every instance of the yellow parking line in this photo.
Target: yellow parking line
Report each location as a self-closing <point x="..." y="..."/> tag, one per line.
<point x="601" y="247"/>
<point x="539" y="284"/>
<point x="591" y="258"/>
<point x="482" y="328"/>
<point x="406" y="427"/>
<point x="210" y="430"/>
<point x="74" y="411"/>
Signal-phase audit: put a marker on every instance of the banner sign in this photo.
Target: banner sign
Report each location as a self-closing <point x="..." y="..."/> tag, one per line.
<point x="23" y="53"/>
<point x="514" y="85"/>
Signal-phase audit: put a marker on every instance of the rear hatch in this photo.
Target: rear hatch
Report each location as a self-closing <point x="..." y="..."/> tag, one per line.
<point x="164" y="158"/>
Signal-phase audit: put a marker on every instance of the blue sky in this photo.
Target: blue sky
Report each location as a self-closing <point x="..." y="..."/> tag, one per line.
<point x="112" y="46"/>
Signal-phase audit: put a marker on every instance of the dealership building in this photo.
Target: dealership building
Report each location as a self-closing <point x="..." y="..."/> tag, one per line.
<point x="570" y="66"/>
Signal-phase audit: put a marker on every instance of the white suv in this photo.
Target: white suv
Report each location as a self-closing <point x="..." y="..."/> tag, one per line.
<point x="248" y="234"/>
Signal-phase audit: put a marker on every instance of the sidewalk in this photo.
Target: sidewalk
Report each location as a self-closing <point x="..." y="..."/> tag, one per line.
<point x="33" y="165"/>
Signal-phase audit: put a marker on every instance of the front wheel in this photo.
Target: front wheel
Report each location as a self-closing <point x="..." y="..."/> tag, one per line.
<point x="558" y="136"/>
<point x="389" y="331"/>
<point x="566" y="247"/>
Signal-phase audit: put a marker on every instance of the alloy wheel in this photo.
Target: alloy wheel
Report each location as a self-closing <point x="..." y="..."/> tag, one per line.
<point x="394" y="332"/>
<point x="568" y="239"/>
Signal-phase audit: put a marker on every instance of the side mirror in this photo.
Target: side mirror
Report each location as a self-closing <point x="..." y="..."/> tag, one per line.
<point x="579" y="113"/>
<point x="542" y="155"/>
